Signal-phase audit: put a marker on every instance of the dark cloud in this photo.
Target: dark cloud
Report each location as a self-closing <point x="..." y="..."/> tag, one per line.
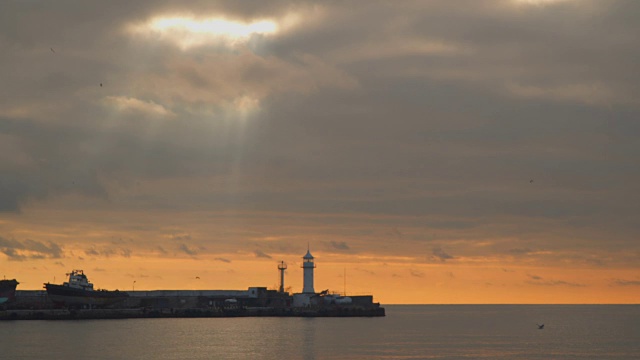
<point x="365" y="271"/>
<point x="537" y="280"/>
<point x="30" y="249"/>
<point x="92" y="252"/>
<point x="416" y="273"/>
<point x="187" y="250"/>
<point x="260" y="254"/>
<point x="339" y="245"/>
<point x="595" y="262"/>
<point x="440" y="254"/>
<point x="108" y="251"/>
<point x="623" y="282"/>
<point x="520" y="251"/>
<point x="184" y="237"/>
<point x="396" y="232"/>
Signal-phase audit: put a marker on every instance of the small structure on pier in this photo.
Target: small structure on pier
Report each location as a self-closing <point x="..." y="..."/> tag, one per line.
<point x="282" y="267"/>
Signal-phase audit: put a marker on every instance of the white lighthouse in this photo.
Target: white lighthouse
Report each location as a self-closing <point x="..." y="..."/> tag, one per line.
<point x="308" y="267"/>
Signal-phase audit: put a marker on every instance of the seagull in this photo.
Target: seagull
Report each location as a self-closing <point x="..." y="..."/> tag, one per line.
<point x="53" y="51"/>
<point x="198" y="277"/>
<point x="100" y="84"/>
<point x="540" y="326"/>
<point x="530" y="181"/>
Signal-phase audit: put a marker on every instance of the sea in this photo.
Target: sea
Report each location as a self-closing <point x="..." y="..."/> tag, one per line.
<point x="407" y="332"/>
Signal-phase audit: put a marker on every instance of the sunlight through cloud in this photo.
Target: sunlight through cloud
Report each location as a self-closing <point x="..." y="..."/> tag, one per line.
<point x="188" y="32"/>
<point x="123" y="104"/>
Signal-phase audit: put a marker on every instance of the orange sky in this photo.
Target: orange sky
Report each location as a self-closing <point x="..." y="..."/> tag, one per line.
<point x="390" y="283"/>
<point x="440" y="153"/>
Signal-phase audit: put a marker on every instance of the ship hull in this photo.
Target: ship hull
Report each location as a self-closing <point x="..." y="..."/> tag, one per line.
<point x="7" y="290"/>
<point x="68" y="296"/>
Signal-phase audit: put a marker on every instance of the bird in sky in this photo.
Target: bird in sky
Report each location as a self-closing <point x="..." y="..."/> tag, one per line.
<point x="540" y="326"/>
<point x="100" y="84"/>
<point x="198" y="277"/>
<point x="53" y="51"/>
<point x="530" y="181"/>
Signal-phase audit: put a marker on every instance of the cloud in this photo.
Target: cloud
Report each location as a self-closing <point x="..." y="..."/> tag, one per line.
<point x="590" y="94"/>
<point x="396" y="232"/>
<point x="92" y="252"/>
<point x="537" y="280"/>
<point x="187" y="250"/>
<point x="181" y="237"/>
<point x="30" y="249"/>
<point x="595" y="262"/>
<point x="623" y="282"/>
<point x="534" y="277"/>
<point x="339" y="245"/>
<point x="520" y="251"/>
<point x="190" y="32"/>
<point x="133" y="105"/>
<point x="365" y="271"/>
<point x="260" y="254"/>
<point x="108" y="251"/>
<point x="440" y="254"/>
<point x="416" y="273"/>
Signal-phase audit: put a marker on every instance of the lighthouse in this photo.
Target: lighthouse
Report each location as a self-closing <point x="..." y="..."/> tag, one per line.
<point x="308" y="266"/>
<point x="282" y="267"/>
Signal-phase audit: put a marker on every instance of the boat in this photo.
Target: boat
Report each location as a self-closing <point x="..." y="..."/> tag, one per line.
<point x="8" y="290"/>
<point x="78" y="291"/>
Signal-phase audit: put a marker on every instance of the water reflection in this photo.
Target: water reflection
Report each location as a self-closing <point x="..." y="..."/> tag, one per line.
<point x="419" y="332"/>
<point x="309" y="326"/>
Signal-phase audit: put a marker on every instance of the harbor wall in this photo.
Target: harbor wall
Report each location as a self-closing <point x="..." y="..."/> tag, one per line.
<point x="35" y="304"/>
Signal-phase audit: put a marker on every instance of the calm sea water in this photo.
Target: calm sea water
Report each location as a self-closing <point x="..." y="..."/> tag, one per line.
<point x="407" y="332"/>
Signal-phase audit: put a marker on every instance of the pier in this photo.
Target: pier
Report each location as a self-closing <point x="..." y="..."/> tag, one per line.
<point x="253" y="302"/>
<point x="77" y="299"/>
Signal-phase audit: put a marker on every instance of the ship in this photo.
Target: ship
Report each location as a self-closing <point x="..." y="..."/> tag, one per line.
<point x="78" y="291"/>
<point x="8" y="290"/>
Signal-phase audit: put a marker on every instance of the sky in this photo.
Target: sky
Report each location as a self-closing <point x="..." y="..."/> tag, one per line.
<point x="435" y="152"/>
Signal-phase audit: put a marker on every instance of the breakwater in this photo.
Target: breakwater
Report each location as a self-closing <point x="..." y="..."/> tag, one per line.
<point x="255" y="302"/>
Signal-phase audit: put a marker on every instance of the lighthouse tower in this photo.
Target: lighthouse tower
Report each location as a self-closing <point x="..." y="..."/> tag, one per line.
<point x="282" y="267"/>
<point x="308" y="267"/>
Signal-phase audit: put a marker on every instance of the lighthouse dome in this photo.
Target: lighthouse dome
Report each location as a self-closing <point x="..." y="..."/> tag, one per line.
<point x="308" y="255"/>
